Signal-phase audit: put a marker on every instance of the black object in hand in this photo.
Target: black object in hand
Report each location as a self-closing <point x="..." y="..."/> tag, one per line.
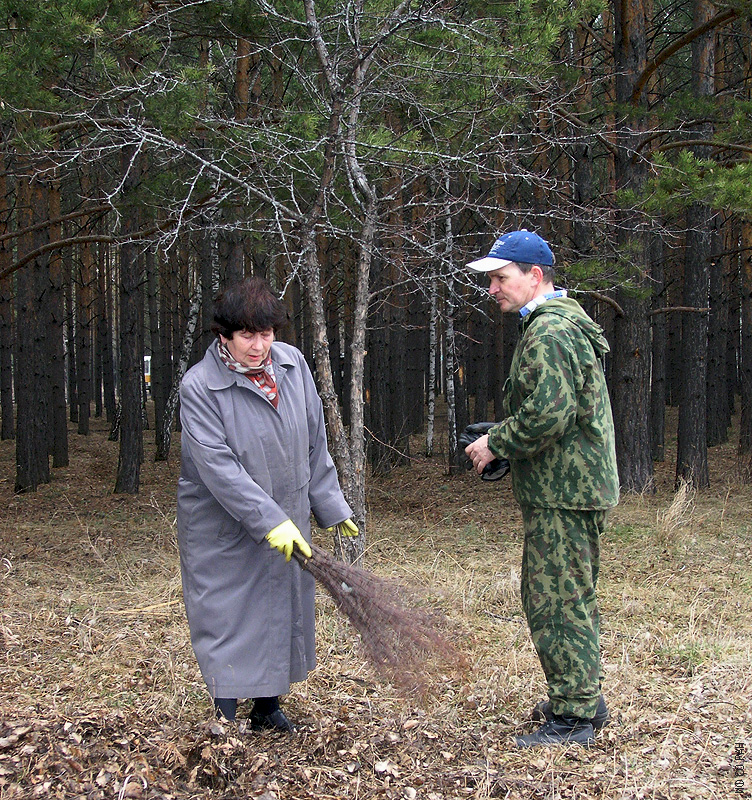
<point x="495" y="469"/>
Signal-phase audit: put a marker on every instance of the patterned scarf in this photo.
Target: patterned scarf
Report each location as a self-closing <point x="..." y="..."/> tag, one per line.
<point x="262" y="376"/>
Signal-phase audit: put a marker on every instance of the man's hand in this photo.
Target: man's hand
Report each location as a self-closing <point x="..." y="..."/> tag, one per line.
<point x="496" y="468"/>
<point x="479" y="453"/>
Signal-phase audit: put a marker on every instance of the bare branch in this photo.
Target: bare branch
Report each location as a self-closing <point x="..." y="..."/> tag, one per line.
<point x="718" y="20"/>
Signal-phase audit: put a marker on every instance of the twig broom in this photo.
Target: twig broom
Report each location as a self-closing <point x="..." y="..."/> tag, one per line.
<point x="404" y="643"/>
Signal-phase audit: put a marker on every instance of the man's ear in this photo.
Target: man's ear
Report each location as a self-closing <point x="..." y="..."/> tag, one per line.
<point x="537" y="272"/>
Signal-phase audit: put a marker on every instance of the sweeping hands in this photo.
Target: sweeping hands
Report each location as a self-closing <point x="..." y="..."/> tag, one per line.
<point x="347" y="528"/>
<point x="285" y="536"/>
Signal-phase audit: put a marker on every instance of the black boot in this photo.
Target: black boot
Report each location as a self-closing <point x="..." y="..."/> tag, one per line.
<point x="267" y="715"/>
<point x="559" y="730"/>
<point x="226" y="707"/>
<point x="543" y="712"/>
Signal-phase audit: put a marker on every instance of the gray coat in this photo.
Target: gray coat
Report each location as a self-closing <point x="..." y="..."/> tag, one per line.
<point x="246" y="467"/>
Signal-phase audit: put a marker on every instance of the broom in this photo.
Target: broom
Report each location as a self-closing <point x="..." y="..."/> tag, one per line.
<point x="403" y="642"/>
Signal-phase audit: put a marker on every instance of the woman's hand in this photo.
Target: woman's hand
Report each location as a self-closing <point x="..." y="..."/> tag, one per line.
<point x="347" y="528"/>
<point x="285" y="536"/>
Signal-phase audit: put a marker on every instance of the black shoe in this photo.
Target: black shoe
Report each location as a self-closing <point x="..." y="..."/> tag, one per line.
<point x="543" y="712"/>
<point x="276" y="721"/>
<point x="559" y="730"/>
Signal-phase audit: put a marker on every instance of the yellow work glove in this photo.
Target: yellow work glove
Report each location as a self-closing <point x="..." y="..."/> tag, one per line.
<point x="346" y="528"/>
<point x="285" y="536"/>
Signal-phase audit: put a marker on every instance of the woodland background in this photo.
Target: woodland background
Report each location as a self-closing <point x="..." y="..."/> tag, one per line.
<point x="358" y="154"/>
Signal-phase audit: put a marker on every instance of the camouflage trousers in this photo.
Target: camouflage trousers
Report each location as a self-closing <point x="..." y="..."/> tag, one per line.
<point x="560" y="561"/>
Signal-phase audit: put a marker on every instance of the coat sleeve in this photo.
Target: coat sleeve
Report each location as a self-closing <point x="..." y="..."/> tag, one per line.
<point x="548" y="384"/>
<point x="218" y="467"/>
<point x="325" y="496"/>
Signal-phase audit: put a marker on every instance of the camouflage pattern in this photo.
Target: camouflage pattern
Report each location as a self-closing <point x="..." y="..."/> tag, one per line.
<point x="558" y="432"/>
<point x="560" y="561"/>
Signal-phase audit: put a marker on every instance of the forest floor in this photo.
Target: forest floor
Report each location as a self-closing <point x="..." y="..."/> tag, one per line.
<point x="100" y="696"/>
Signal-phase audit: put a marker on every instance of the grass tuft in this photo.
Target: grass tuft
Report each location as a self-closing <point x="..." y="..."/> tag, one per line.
<point x="673" y="521"/>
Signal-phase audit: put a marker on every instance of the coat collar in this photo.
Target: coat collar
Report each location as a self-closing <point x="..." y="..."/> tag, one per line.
<point x="218" y="377"/>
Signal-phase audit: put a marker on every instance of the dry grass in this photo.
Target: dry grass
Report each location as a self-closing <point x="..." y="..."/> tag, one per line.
<point x="100" y="696"/>
<point x="678" y="517"/>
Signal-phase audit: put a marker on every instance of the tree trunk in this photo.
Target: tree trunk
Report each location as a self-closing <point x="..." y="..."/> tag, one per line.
<point x="71" y="301"/>
<point x="349" y="549"/>
<point x="631" y="361"/>
<point x="658" y="354"/>
<point x="84" y="326"/>
<point x="692" y="450"/>
<point x="32" y="378"/>
<point x="206" y="276"/>
<point x="630" y="396"/>
<point x="449" y="369"/>
<point x="433" y="341"/>
<point x="745" y="425"/>
<point x="351" y="474"/>
<point x="164" y="433"/>
<point x="673" y="290"/>
<point x="8" y="425"/>
<point x="451" y="349"/>
<point x="156" y="387"/>
<point x="130" y="453"/>
<point x="105" y="315"/>
<point x="733" y="291"/>
<point x="719" y="412"/>
<point x="379" y="395"/>
<point x="692" y="437"/>
<point x="58" y="440"/>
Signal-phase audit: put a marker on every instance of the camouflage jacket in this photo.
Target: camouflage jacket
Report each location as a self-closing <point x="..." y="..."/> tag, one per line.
<point x="558" y="433"/>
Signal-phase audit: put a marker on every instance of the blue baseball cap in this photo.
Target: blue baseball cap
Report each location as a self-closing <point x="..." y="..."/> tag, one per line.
<point x="518" y="246"/>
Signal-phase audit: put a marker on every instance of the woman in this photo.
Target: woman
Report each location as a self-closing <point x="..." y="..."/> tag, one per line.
<point x="254" y="465"/>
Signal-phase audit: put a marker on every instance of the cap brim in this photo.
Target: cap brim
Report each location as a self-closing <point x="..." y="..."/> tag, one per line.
<point x="488" y="264"/>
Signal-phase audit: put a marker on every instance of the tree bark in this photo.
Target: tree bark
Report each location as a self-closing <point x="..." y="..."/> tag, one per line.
<point x="631" y="360"/>
<point x="56" y="326"/>
<point x="450" y="346"/>
<point x="156" y="386"/>
<point x="433" y="342"/>
<point x="692" y="450"/>
<point x="164" y="433"/>
<point x="7" y="416"/>
<point x="659" y="340"/>
<point x="745" y="399"/>
<point x="130" y="453"/>
<point x="718" y="410"/>
<point x="84" y="322"/>
<point x="692" y="436"/>
<point x="105" y="318"/>
<point x="32" y="379"/>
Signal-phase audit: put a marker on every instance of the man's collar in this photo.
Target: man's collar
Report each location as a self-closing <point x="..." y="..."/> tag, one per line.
<point x="528" y="308"/>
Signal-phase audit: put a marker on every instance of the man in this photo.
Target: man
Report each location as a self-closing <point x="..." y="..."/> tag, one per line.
<point x="558" y="435"/>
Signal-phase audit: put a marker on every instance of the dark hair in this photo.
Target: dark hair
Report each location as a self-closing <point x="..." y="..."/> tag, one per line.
<point x="249" y="305"/>
<point x="548" y="272"/>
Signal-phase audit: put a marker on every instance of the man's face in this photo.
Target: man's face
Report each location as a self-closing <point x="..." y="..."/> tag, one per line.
<point x="512" y="288"/>
<point x="250" y="348"/>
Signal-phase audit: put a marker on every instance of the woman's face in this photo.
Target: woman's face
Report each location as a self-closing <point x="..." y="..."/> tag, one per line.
<point x="249" y="348"/>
